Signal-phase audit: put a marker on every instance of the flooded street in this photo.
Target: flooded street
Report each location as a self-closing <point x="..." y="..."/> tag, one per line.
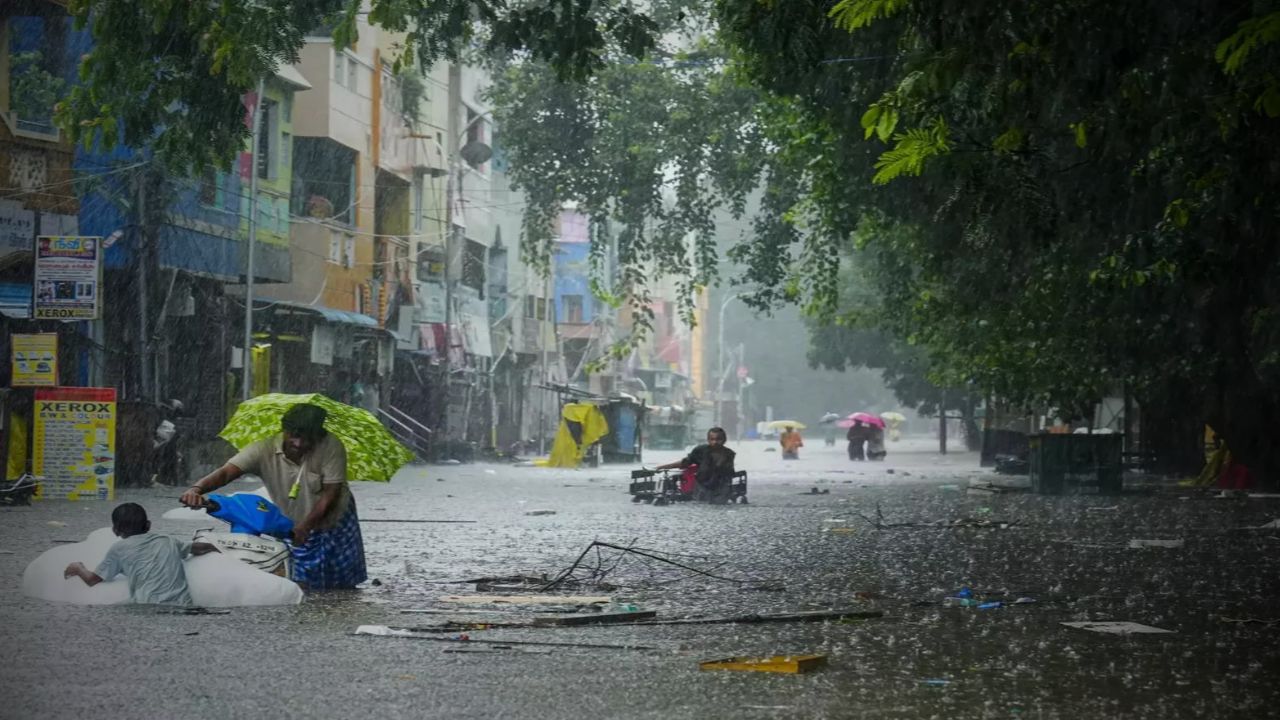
<point x="789" y="550"/>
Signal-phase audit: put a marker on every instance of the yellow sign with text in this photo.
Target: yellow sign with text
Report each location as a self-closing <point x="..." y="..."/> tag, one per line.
<point x="74" y="443"/>
<point x="35" y="360"/>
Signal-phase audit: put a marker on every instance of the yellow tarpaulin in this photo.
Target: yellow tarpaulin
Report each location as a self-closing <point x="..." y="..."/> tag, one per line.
<point x="581" y="425"/>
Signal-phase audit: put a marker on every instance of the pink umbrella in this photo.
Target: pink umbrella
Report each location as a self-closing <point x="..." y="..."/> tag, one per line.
<point x="865" y="418"/>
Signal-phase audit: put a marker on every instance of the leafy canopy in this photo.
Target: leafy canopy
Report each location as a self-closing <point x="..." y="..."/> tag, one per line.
<point x="171" y="74"/>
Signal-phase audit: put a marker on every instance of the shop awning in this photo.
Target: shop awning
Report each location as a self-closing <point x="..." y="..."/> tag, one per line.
<point x="15" y="300"/>
<point x="342" y="317"/>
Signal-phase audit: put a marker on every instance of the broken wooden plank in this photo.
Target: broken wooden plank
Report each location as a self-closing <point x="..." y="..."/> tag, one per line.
<point x="384" y="631"/>
<point x="595" y="619"/>
<point x="394" y="520"/>
<point x="803" y="616"/>
<point x="526" y="599"/>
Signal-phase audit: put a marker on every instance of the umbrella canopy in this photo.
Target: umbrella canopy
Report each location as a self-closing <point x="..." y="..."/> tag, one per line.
<point x="784" y="424"/>
<point x="829" y="418"/>
<point x="372" y="453"/>
<point x="893" y="416"/>
<point x="864" y="418"/>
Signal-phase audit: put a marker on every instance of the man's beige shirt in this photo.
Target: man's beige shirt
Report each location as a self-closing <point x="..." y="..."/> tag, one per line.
<point x="326" y="464"/>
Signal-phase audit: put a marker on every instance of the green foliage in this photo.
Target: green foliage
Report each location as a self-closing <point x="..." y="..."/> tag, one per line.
<point x="1234" y="51"/>
<point x="651" y="148"/>
<point x="33" y="90"/>
<point x="912" y="150"/>
<point x="171" y="74"/>
<point x="854" y="14"/>
<point x="412" y="92"/>
<point x="1018" y="263"/>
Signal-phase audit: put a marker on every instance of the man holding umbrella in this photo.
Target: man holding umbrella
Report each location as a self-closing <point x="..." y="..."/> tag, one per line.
<point x="304" y="469"/>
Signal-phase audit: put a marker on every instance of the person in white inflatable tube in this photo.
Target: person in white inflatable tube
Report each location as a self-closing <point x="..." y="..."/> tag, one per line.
<point x="152" y="563"/>
<point x="304" y="469"/>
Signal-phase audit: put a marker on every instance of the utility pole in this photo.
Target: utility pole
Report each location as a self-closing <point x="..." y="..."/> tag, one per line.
<point x="542" y="343"/>
<point x="942" y="423"/>
<point x="476" y="153"/>
<point x="247" y="356"/>
<point x="144" y="247"/>
<point x="720" y="372"/>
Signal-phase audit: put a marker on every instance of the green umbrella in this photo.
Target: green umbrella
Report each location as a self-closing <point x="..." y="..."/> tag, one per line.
<point x="372" y="453"/>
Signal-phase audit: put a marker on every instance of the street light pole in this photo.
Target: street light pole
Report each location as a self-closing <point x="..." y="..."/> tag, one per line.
<point x="455" y="155"/>
<point x="247" y="356"/>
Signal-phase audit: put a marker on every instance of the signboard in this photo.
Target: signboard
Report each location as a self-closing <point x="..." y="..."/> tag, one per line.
<point x="74" y="443"/>
<point x="322" y="344"/>
<point x="35" y="360"/>
<point x="68" y="278"/>
<point x="17" y="227"/>
<point x="428" y="303"/>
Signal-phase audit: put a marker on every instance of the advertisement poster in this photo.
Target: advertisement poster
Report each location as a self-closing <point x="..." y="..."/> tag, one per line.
<point x="68" y="278"/>
<point x="74" y="443"/>
<point x="35" y="360"/>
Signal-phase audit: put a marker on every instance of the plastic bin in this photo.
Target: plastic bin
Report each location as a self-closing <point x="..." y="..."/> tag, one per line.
<point x="1062" y="462"/>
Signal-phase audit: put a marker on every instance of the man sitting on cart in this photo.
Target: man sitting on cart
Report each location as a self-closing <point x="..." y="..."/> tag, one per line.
<point x="714" y="463"/>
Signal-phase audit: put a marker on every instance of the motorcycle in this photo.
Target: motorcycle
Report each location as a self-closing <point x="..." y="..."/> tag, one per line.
<point x="166" y="459"/>
<point x="257" y="527"/>
<point x="20" y="491"/>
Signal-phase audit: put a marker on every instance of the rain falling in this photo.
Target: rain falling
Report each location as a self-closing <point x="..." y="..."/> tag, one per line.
<point x="679" y="359"/>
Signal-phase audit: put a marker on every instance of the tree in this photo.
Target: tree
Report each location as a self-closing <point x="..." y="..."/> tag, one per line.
<point x="170" y="74"/>
<point x="1089" y="182"/>
<point x="857" y="336"/>
<point x="651" y="147"/>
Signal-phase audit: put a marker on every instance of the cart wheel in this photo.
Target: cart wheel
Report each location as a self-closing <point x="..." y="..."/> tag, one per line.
<point x="636" y="498"/>
<point x="659" y="501"/>
<point x="742" y="499"/>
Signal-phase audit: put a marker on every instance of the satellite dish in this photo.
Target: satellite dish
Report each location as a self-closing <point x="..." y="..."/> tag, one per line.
<point x="476" y="152"/>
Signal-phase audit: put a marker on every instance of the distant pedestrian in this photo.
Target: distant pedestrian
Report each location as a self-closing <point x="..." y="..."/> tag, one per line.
<point x="152" y="563"/>
<point x="791" y="443"/>
<point x="857" y="437"/>
<point x="875" y="443"/>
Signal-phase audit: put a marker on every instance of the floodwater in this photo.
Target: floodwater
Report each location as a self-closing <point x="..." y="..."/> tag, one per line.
<point x="788" y="550"/>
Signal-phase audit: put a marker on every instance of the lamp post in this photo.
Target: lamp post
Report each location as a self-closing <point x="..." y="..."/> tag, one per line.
<point x="247" y="356"/>
<point x="720" y="356"/>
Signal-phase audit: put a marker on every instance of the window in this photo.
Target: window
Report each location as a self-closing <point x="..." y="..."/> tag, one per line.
<point x="353" y="75"/>
<point x="287" y="108"/>
<point x="286" y="150"/>
<point x="335" y="247"/>
<point x="417" y="200"/>
<point x="381" y="259"/>
<point x="473" y="267"/>
<point x="542" y="309"/>
<point x="39" y="69"/>
<point x="530" y="306"/>
<point x="268" y="163"/>
<point x="339" y="67"/>
<point x="323" y="184"/>
<point x="572" y="308"/>
<point x="208" y="191"/>
<point x="477" y="133"/>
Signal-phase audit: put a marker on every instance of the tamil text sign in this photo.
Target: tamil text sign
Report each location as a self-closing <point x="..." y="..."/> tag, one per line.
<point x="68" y="278"/>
